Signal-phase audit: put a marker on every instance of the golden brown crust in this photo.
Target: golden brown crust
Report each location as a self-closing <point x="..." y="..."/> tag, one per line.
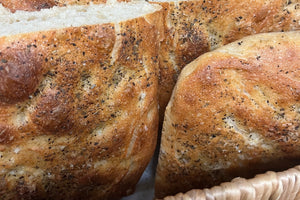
<point x="195" y="27"/>
<point x="185" y="38"/>
<point x="234" y="112"/>
<point x="78" y="110"/>
<point x="20" y="73"/>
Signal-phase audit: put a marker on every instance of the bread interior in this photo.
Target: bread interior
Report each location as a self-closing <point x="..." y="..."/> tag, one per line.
<point x="70" y="16"/>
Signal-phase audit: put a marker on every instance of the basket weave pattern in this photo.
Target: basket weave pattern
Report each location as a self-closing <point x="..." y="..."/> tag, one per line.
<point x="269" y="186"/>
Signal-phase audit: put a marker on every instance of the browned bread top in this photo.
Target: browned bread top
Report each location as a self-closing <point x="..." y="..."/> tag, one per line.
<point x="78" y="109"/>
<point x="194" y="27"/>
<point x="233" y="112"/>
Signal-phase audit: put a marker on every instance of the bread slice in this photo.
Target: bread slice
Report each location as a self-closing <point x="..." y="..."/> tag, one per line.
<point x="78" y="103"/>
<point x="233" y="112"/>
<point x="194" y="27"/>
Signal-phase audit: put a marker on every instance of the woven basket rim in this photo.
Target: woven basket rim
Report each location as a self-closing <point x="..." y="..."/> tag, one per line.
<point x="283" y="185"/>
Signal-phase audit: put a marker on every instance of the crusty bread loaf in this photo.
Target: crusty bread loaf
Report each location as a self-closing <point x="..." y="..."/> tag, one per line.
<point x="194" y="27"/>
<point x="234" y="112"/>
<point x="78" y="103"/>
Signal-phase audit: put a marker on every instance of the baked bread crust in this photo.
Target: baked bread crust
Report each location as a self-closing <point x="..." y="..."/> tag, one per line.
<point x="233" y="112"/>
<point x="195" y="27"/>
<point x="78" y="110"/>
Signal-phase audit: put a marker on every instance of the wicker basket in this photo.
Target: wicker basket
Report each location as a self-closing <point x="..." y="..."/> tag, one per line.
<point x="269" y="186"/>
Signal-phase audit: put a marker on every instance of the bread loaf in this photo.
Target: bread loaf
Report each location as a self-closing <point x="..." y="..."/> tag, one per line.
<point x="78" y="103"/>
<point x="233" y="112"/>
<point x="194" y="27"/>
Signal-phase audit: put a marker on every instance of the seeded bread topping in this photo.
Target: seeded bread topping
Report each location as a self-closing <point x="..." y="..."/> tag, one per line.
<point x="78" y="108"/>
<point x="234" y="112"/>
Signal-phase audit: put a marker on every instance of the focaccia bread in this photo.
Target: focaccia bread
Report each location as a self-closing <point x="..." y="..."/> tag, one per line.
<point x="78" y="100"/>
<point x="234" y="112"/>
<point x="194" y="27"/>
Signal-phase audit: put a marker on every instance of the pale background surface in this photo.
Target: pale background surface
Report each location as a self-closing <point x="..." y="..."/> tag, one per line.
<point x="145" y="187"/>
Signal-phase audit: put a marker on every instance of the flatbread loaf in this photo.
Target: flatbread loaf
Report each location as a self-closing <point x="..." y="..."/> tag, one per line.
<point x="234" y="112"/>
<point x="78" y="103"/>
